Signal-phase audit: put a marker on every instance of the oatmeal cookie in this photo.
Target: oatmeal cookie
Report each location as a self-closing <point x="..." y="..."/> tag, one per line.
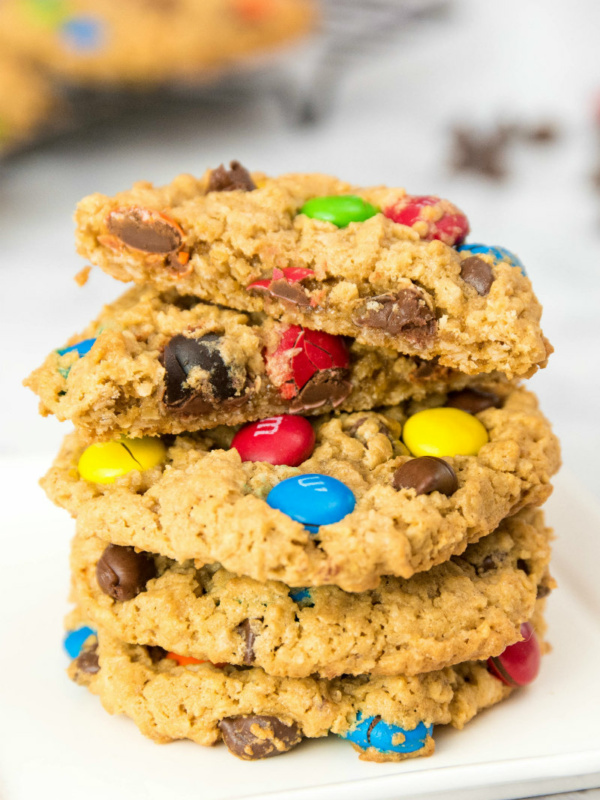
<point x="258" y="715"/>
<point x="376" y="264"/>
<point x="355" y="509"/>
<point x="470" y="608"/>
<point x="157" y="363"/>
<point x="148" y="42"/>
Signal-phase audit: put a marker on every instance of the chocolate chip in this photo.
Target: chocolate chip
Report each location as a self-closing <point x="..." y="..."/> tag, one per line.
<point x="144" y="229"/>
<point x="426" y="474"/>
<point x="122" y="573"/>
<point x="473" y="400"/>
<point x="245" y="630"/>
<point x="523" y="565"/>
<point x="403" y="314"/>
<point x="326" y="387"/>
<point x="483" y="153"/>
<point x="292" y="292"/>
<point x="181" y="355"/>
<point x="258" y="736"/>
<point x="488" y="564"/>
<point x="429" y="369"/>
<point x="235" y="178"/>
<point x="542" y="591"/>
<point x="156" y="653"/>
<point x="477" y="273"/>
<point x="87" y="660"/>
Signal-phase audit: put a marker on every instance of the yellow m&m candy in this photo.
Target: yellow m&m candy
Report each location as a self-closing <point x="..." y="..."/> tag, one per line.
<point x="443" y="432"/>
<point x="104" y="462"/>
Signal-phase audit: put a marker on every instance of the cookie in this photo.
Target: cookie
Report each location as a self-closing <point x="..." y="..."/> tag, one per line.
<point x="157" y="363"/>
<point x="350" y="513"/>
<point x="258" y="715"/>
<point x="28" y="102"/>
<point x="375" y="264"/>
<point x="145" y="42"/>
<point x="469" y="608"/>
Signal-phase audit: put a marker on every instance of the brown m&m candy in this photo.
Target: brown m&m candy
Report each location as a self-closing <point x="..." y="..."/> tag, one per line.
<point x="425" y="475"/>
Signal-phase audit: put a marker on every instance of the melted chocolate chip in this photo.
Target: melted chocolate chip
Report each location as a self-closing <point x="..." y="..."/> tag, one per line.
<point x="477" y="273"/>
<point x="542" y="591"/>
<point x="87" y="660"/>
<point x="326" y="387"/>
<point x="245" y="630"/>
<point x="473" y="400"/>
<point x="236" y="178"/>
<point x="122" y="573"/>
<point x="425" y="475"/>
<point x="144" y="229"/>
<point x="292" y="292"/>
<point x="490" y="562"/>
<point x="180" y="356"/>
<point x="156" y="653"/>
<point x="258" y="736"/>
<point x="403" y="314"/>
<point x="523" y="565"/>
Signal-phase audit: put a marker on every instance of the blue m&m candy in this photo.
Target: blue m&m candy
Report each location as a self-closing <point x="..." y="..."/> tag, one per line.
<point x="84" y="33"/>
<point x="81" y="348"/>
<point x="74" y="640"/>
<point x="313" y="500"/>
<point x="374" y="732"/>
<point x="301" y="595"/>
<point x="499" y="253"/>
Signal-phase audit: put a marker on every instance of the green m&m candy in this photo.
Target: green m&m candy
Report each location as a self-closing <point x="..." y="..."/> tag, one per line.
<point x="339" y="209"/>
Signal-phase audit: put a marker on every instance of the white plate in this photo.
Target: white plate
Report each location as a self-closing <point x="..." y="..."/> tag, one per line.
<point x="56" y="741"/>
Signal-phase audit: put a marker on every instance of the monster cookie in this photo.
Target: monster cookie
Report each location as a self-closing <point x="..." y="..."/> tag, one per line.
<point x="157" y="363"/>
<point x="258" y="715"/>
<point x="471" y="607"/>
<point x="27" y="101"/>
<point x="375" y="264"/>
<point x="356" y="509"/>
<point x="148" y="41"/>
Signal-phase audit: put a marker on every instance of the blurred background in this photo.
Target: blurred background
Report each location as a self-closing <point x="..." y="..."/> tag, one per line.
<point x="495" y="106"/>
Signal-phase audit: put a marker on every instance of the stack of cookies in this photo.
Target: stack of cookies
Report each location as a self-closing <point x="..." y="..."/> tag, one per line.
<point x="305" y="471"/>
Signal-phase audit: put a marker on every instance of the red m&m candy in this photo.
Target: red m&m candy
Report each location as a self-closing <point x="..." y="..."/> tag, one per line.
<point x="519" y="664"/>
<point x="302" y="355"/>
<point x="431" y="217"/>
<point x="284" y="440"/>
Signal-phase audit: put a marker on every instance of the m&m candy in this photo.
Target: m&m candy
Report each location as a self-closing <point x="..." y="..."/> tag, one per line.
<point x="313" y="500"/>
<point x="443" y="432"/>
<point x="387" y="738"/>
<point x="74" y="640"/>
<point x="285" y="440"/>
<point x="341" y="210"/>
<point x="301" y="595"/>
<point x="309" y="366"/>
<point x="104" y="462"/>
<point x="81" y="348"/>
<point x="499" y="253"/>
<point x="431" y="217"/>
<point x="519" y="664"/>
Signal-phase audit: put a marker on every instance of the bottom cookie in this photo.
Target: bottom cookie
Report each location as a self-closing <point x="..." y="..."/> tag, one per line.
<point x="257" y="715"/>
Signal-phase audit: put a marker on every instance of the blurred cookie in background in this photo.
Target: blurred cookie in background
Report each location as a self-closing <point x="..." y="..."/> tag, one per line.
<point x="147" y="42"/>
<point x="29" y="105"/>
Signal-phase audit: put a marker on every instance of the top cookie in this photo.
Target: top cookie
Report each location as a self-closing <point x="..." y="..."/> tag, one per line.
<point x="376" y="264"/>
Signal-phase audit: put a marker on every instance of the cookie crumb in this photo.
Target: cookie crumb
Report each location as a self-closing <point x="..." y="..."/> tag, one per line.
<point x="81" y="278"/>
